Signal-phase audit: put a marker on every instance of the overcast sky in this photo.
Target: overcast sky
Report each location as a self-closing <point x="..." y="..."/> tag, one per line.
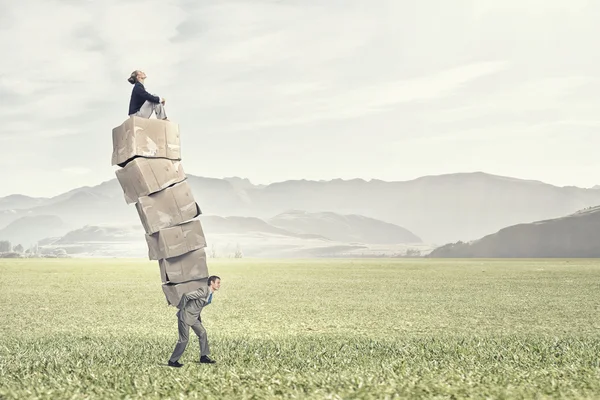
<point x="273" y="90"/>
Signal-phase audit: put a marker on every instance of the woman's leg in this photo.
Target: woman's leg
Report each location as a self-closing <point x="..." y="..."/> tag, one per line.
<point x="148" y="108"/>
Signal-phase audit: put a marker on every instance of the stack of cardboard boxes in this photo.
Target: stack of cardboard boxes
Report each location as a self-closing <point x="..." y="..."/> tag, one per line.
<point x="152" y="177"/>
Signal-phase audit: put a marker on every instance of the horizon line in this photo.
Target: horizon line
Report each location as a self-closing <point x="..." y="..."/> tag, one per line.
<point x="321" y="181"/>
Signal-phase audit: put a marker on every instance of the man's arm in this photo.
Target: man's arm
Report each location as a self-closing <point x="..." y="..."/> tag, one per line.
<point x="141" y="91"/>
<point x="199" y="294"/>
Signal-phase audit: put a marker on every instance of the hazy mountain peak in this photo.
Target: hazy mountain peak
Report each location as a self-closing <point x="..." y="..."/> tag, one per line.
<point x="291" y="214"/>
<point x="345" y="228"/>
<point x="347" y="180"/>
<point x="477" y="175"/>
<point x="20" y="197"/>
<point x="572" y="235"/>
<point x="241" y="183"/>
<point x="19" y="201"/>
<point x="29" y="229"/>
<point x="238" y="179"/>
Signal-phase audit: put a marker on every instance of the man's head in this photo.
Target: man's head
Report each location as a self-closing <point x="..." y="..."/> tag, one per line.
<point x="214" y="282"/>
<point x="137" y="76"/>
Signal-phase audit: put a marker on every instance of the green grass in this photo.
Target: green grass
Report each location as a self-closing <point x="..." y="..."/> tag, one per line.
<point x="322" y="329"/>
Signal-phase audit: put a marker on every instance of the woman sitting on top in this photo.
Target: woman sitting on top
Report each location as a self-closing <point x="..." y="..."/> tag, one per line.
<point x="142" y="103"/>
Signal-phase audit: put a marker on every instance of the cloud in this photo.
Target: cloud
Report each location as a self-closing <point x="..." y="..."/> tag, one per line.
<point x="78" y="59"/>
<point x="532" y="7"/>
<point x="535" y="102"/>
<point x="244" y="75"/>
<point x="76" y="170"/>
<point x="370" y="99"/>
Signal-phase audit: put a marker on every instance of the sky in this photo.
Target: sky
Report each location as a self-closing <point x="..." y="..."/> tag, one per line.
<point x="272" y="90"/>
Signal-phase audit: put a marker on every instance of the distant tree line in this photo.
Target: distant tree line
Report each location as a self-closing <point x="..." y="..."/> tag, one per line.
<point x="409" y="253"/>
<point x="8" y="251"/>
<point x="227" y="252"/>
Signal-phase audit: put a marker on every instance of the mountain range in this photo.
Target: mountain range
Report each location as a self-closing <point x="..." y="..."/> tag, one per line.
<point x="432" y="210"/>
<point x="438" y="209"/>
<point x="349" y="235"/>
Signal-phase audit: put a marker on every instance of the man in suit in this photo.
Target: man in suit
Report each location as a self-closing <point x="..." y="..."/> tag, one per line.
<point x="190" y="306"/>
<point x="143" y="104"/>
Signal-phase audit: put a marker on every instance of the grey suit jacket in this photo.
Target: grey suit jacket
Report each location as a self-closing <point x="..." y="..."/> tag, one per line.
<point x="191" y="305"/>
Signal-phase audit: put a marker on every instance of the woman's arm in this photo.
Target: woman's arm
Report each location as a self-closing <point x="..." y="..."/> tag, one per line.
<point x="139" y="90"/>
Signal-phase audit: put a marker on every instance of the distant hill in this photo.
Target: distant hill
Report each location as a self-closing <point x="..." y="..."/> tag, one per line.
<point x="101" y="234"/>
<point x="18" y="201"/>
<point x="437" y="209"/>
<point x="80" y="207"/>
<point x="239" y="225"/>
<point x="256" y="238"/>
<point x="575" y="235"/>
<point x="344" y="228"/>
<point x="242" y="183"/>
<point x="29" y="229"/>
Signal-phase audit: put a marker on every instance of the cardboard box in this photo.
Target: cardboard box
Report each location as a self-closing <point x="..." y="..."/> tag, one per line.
<point x="174" y="291"/>
<point x="145" y="137"/>
<point x="186" y="267"/>
<point x="167" y="208"/>
<point x="175" y="241"/>
<point x="144" y="176"/>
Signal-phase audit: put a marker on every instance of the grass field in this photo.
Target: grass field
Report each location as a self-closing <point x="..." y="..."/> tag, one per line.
<point x="322" y="329"/>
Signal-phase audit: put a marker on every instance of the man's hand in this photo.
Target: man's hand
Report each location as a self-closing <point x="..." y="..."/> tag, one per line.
<point x="162" y="101"/>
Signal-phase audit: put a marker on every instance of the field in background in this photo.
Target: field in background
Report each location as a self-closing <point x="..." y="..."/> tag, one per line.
<point x="318" y="329"/>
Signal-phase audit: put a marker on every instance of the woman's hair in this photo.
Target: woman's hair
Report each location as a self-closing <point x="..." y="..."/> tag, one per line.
<point x="133" y="78"/>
